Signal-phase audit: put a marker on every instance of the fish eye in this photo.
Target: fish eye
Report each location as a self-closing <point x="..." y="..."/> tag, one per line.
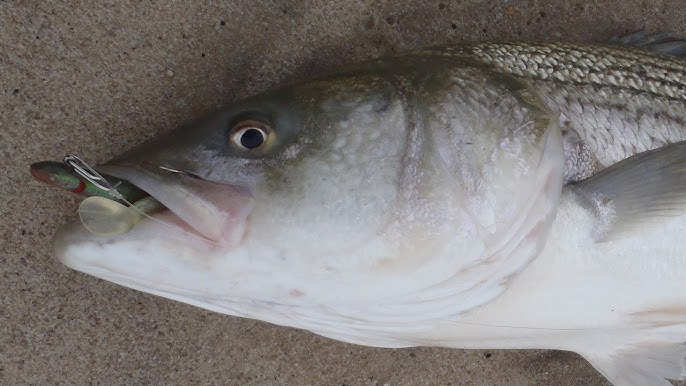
<point x="250" y="134"/>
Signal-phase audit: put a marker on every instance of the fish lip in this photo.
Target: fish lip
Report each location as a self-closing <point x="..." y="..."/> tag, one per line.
<point x="214" y="211"/>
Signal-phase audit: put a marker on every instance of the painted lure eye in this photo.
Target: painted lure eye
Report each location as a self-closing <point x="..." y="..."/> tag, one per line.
<point x="250" y="134"/>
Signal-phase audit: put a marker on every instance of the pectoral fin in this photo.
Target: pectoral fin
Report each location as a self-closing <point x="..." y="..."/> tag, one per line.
<point x="645" y="187"/>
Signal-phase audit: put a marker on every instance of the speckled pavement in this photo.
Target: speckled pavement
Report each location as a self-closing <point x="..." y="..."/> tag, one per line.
<point x="96" y="77"/>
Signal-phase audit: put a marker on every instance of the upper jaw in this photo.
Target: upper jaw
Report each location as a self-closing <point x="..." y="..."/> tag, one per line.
<point x="216" y="211"/>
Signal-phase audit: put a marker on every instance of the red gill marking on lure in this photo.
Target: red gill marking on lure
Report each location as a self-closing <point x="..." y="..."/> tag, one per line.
<point x="79" y="189"/>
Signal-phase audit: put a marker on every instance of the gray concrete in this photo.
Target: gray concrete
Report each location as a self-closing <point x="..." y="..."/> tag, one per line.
<point x="95" y="78"/>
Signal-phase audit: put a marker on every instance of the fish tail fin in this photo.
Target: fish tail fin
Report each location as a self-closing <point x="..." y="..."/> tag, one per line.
<point x="662" y="43"/>
<point x="645" y="364"/>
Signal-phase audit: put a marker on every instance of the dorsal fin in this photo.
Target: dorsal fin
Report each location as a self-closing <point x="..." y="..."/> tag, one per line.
<point x="662" y="43"/>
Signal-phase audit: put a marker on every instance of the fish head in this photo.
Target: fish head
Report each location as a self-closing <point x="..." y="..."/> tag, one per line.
<point x="273" y="183"/>
<point x="333" y="196"/>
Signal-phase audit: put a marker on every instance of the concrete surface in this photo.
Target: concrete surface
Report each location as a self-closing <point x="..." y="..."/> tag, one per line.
<point x="95" y="78"/>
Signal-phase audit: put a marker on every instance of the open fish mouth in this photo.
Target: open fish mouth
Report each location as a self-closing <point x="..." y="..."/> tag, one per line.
<point x="177" y="202"/>
<point x="184" y="223"/>
<point x="215" y="211"/>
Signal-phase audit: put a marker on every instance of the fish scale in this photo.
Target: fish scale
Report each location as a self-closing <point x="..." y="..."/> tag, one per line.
<point x="618" y="102"/>
<point x="631" y="69"/>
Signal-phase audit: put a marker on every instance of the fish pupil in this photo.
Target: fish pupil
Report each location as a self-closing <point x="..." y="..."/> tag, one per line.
<point x="252" y="138"/>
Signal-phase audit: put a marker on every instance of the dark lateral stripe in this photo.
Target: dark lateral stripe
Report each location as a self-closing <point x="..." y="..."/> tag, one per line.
<point x="580" y="67"/>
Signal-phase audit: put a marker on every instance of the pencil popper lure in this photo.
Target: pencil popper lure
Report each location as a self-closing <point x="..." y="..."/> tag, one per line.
<point x="113" y="206"/>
